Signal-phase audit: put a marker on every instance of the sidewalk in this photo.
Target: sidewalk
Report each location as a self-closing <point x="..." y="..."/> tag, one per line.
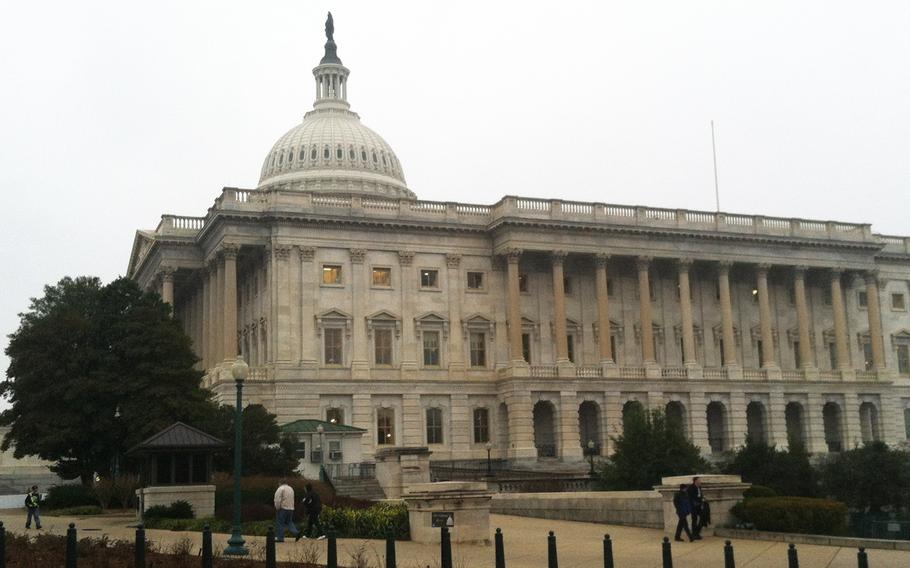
<point x="579" y="544"/>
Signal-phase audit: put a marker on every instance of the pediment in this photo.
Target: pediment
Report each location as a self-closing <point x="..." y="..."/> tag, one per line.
<point x="383" y="315"/>
<point x="431" y="317"/>
<point x="142" y="244"/>
<point x="477" y="319"/>
<point x="334" y="313"/>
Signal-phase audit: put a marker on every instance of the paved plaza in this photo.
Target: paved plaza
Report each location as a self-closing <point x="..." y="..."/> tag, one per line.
<point x="580" y="546"/>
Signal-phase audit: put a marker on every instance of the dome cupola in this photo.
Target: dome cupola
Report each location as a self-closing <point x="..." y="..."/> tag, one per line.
<point x="331" y="151"/>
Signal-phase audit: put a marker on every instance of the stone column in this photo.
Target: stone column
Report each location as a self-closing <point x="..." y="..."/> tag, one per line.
<point x="806" y="353"/>
<point x="764" y="311"/>
<point x="853" y="431"/>
<point x="777" y="419"/>
<point x="726" y="314"/>
<point x="362" y="417"/>
<point x="456" y="350"/>
<point x="841" y="347"/>
<point x="815" y="424"/>
<point x="738" y="426"/>
<point x="281" y="330"/>
<point x="514" y="313"/>
<point x="873" y="306"/>
<point x="521" y="425"/>
<point x="229" y="336"/>
<point x="569" y="436"/>
<point x="557" y="259"/>
<point x="409" y="346"/>
<point x="206" y="317"/>
<point x="167" y="287"/>
<point x="644" y="302"/>
<point x="603" y="309"/>
<point x="295" y="303"/>
<point x="462" y="431"/>
<point x="412" y="421"/>
<point x="219" y="311"/>
<point x="698" y="417"/>
<point x="612" y="419"/>
<point x="308" y="345"/>
<point x="685" y="306"/>
<point x="360" y="365"/>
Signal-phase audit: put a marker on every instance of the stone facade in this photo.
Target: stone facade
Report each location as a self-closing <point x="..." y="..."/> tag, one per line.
<point x="529" y="324"/>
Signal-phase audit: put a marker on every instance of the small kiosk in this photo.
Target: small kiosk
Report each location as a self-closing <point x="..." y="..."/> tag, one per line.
<point x="176" y="465"/>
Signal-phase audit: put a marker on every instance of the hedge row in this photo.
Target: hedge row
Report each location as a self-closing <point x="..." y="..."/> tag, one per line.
<point x="794" y="515"/>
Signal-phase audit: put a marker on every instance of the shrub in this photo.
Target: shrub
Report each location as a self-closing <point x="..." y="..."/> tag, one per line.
<point x="176" y="510"/>
<point x="804" y="515"/>
<point x="66" y="496"/>
<point x="786" y="472"/>
<point x="368" y="523"/>
<point x="759" y="491"/>
<point x="78" y="511"/>
<point x="871" y="477"/>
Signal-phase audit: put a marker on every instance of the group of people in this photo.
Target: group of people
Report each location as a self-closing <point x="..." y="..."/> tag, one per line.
<point x="284" y="517"/>
<point x="690" y="501"/>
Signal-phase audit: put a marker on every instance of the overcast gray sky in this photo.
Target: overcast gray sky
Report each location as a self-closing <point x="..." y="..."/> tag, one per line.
<point x="112" y="113"/>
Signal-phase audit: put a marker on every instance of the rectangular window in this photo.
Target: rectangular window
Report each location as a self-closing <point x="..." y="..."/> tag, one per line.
<point x="478" y="349"/>
<point x="832" y="355"/>
<point x="898" y="302"/>
<point x="334" y="415"/>
<point x="862" y="299"/>
<point x="481" y="425"/>
<point x="333" y="345"/>
<point x="385" y="427"/>
<point x="867" y="356"/>
<point x="610" y="287"/>
<point x="382" y="277"/>
<point x="717" y="290"/>
<point x="826" y="296"/>
<point x="613" y="348"/>
<point x="431" y="348"/>
<point x="791" y="295"/>
<point x="475" y="280"/>
<point x="335" y="450"/>
<point x="382" y="346"/>
<point x="331" y="274"/>
<point x="903" y="359"/>
<point x="429" y="279"/>
<point x="526" y="347"/>
<point x="570" y="343"/>
<point x="720" y="344"/>
<point x="797" y="358"/>
<point x="434" y="426"/>
<point x="567" y="285"/>
<point x="761" y="353"/>
<point x="522" y="282"/>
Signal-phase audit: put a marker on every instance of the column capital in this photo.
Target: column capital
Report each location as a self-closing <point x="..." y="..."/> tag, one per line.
<point x="306" y="254"/>
<point x="357" y="255"/>
<point x="800" y="270"/>
<point x="512" y="255"/>
<point x="762" y="268"/>
<point x="601" y="259"/>
<point x="282" y="252"/>
<point x="453" y="260"/>
<point x="685" y="263"/>
<point x="643" y="262"/>
<point x="836" y="271"/>
<point x="724" y="266"/>
<point x="167" y="273"/>
<point x="558" y="256"/>
<point x="229" y="250"/>
<point x="871" y="276"/>
<point x="405" y="257"/>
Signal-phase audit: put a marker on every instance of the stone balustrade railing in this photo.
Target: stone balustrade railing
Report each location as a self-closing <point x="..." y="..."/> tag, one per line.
<point x="512" y="207"/>
<point x="671" y="372"/>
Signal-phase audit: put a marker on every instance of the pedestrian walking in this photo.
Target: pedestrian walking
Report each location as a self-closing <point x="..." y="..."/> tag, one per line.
<point x="696" y="500"/>
<point x="33" y="504"/>
<point x="313" y="505"/>
<point x="683" y="510"/>
<point x="284" y="512"/>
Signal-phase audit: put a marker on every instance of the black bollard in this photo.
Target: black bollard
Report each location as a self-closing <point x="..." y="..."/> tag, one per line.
<point x="608" y="552"/>
<point x="390" y="560"/>
<point x="2" y="546"/>
<point x="862" y="559"/>
<point x="500" y="549"/>
<point x="331" y="554"/>
<point x="729" y="561"/>
<point x="445" y="542"/>
<point x="270" y="560"/>
<point x="792" y="557"/>
<point x="71" y="550"/>
<point x="552" y="561"/>
<point x="140" y="548"/>
<point x="207" y="547"/>
<point x="667" y="553"/>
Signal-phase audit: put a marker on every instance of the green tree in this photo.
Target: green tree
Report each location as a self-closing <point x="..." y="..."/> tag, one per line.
<point x="868" y="478"/>
<point x="787" y="472"/>
<point x="650" y="447"/>
<point x="265" y="451"/>
<point x="85" y="350"/>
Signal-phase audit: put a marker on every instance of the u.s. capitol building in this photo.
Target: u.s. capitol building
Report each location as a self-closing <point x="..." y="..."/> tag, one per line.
<point x="528" y="326"/>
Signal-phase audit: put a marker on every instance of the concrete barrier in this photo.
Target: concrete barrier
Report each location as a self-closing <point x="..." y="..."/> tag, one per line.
<point x="632" y="508"/>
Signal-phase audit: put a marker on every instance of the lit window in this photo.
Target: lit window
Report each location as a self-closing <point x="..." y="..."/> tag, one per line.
<point x="382" y="346"/>
<point x="522" y="282"/>
<point x="334" y="415"/>
<point x="434" y="426"/>
<point x="755" y="295"/>
<point x="478" y="349"/>
<point x="382" y="277"/>
<point x="331" y="274"/>
<point x="431" y="348"/>
<point x="475" y="280"/>
<point x="429" y="279"/>
<point x="333" y="345"/>
<point x="385" y="427"/>
<point x="898" y="302"/>
<point x="862" y="299"/>
<point x="481" y="426"/>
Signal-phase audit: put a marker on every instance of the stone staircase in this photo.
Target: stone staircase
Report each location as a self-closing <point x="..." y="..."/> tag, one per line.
<point x="359" y="488"/>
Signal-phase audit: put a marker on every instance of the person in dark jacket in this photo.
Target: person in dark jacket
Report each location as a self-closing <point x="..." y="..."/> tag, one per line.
<point x="683" y="510"/>
<point x="313" y="506"/>
<point x="32" y="504"/>
<point x="696" y="500"/>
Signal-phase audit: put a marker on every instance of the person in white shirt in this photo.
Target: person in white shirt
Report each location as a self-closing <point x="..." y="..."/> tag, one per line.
<point x="284" y="507"/>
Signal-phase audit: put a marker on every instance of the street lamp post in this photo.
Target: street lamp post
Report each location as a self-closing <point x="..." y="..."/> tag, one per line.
<point x="591" y="456"/>
<point x="239" y="370"/>
<point x="489" y="461"/>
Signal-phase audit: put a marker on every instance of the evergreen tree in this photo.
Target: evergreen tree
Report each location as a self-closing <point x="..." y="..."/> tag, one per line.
<point x="870" y="478"/>
<point x="787" y="472"/>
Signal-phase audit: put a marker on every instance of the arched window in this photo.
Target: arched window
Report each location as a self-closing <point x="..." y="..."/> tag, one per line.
<point x="363" y="154"/>
<point x="339" y="153"/>
<point x="280" y="159"/>
<point x="302" y="156"/>
<point x="313" y="153"/>
<point x="326" y="153"/>
<point x="375" y="159"/>
<point x="351" y="154"/>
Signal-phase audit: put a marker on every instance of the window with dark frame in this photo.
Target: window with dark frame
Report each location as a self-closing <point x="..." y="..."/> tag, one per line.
<point x="478" y="348"/>
<point x="431" y="348"/>
<point x="475" y="280"/>
<point x="434" y="426"/>
<point x="331" y="274"/>
<point x="429" y="278"/>
<point x="382" y="277"/>
<point x="385" y="427"/>
<point x="481" y="425"/>
<point x="332" y="339"/>
<point x="382" y="346"/>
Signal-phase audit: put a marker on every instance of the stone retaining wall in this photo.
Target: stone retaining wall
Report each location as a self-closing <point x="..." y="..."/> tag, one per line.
<point x="633" y="508"/>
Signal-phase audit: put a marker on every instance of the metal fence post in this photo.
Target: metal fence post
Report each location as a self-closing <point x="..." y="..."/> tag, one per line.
<point x="862" y="559"/>
<point x="792" y="557"/>
<point x="71" y="550"/>
<point x="552" y="561"/>
<point x="667" y="553"/>
<point x="140" y="548"/>
<point x="390" y="560"/>
<point x="445" y="543"/>
<point x="500" y="549"/>
<point x="270" y="560"/>
<point x="2" y="546"/>
<point x="608" y="552"/>
<point x="729" y="561"/>
<point x="331" y="555"/>
<point x="207" y="547"/>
